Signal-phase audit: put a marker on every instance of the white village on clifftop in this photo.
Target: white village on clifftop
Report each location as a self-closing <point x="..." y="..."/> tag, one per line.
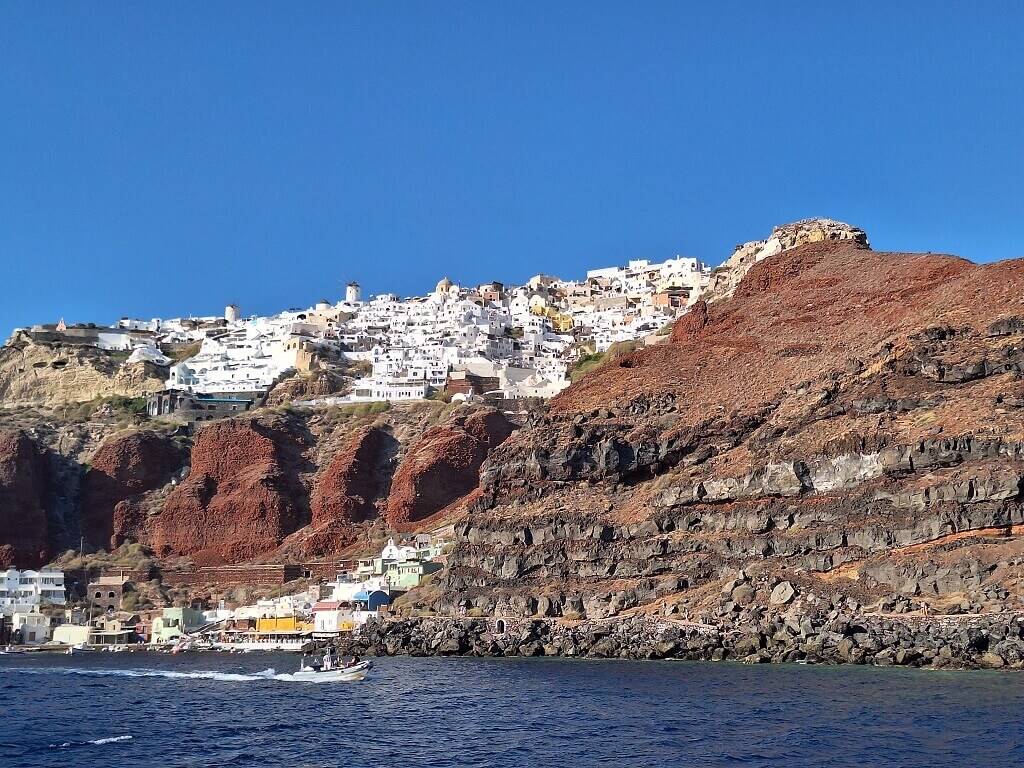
<point x="503" y="341"/>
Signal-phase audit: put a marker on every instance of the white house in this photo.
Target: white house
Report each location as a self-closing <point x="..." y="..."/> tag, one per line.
<point x="23" y="591"/>
<point x="32" y="627"/>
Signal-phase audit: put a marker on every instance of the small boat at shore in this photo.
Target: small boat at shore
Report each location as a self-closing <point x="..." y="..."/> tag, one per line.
<point x="79" y="649"/>
<point x="10" y="650"/>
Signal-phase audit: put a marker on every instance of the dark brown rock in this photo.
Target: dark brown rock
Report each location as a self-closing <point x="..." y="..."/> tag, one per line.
<point x="444" y="465"/>
<point x="25" y="540"/>
<point x="123" y="469"/>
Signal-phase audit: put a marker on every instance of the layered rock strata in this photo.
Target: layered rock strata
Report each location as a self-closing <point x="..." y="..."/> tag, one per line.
<point x="847" y="418"/>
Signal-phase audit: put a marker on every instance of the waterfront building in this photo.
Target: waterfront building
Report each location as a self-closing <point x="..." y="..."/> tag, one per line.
<point x="173" y="624"/>
<point x="408" y="574"/>
<point x="332" y="617"/>
<point x="30" y="627"/>
<point x="106" y="592"/>
<point x="28" y="590"/>
<point x="72" y="634"/>
<point x="116" y="630"/>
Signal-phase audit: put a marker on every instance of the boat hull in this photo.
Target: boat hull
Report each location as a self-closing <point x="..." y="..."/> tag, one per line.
<point x="358" y="672"/>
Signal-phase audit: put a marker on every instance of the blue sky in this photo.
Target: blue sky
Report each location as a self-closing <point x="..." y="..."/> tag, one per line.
<point x="166" y="159"/>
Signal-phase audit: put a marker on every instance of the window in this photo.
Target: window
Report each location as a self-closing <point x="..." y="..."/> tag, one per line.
<point x="99" y="595"/>
<point x="110" y="595"/>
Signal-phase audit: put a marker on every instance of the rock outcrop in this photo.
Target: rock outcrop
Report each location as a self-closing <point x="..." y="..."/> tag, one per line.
<point x="848" y="422"/>
<point x="826" y="635"/>
<point x="243" y="496"/>
<point x="25" y="540"/>
<point x="124" y="468"/>
<point x="727" y="277"/>
<point x="444" y="465"/>
<point x="51" y="375"/>
<point x="346" y="493"/>
<point x="320" y="383"/>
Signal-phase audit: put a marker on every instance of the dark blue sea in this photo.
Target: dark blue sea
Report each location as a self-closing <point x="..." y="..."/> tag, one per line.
<point x="150" y="711"/>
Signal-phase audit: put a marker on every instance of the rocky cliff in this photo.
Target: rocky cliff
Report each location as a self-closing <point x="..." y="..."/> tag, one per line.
<point x="727" y="277"/>
<point x="242" y="497"/>
<point x="24" y="497"/>
<point x="347" y="492"/>
<point x="271" y="485"/>
<point x="125" y="468"/>
<point x="444" y="465"/>
<point x="825" y="454"/>
<point x="847" y="423"/>
<point x="51" y="375"/>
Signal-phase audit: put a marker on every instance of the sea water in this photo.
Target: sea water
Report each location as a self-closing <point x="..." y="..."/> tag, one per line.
<point x="152" y="710"/>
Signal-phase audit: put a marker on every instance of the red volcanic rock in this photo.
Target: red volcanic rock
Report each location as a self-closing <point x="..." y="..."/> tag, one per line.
<point x="24" y="531"/>
<point x="124" y="468"/>
<point x="243" y="496"/>
<point x="794" y="316"/>
<point x="346" y="492"/>
<point x="444" y="465"/>
<point x="690" y="324"/>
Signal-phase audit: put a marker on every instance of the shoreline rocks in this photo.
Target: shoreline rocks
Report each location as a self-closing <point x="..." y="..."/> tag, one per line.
<point x="984" y="642"/>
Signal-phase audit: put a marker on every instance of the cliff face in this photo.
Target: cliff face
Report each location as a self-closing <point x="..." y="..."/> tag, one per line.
<point x="727" y="277"/>
<point x="848" y="423"/>
<point x="263" y="486"/>
<point x="125" y="468"/>
<point x="243" y="496"/>
<point x="48" y="375"/>
<point x="24" y="530"/>
<point x="444" y="466"/>
<point x="346" y="493"/>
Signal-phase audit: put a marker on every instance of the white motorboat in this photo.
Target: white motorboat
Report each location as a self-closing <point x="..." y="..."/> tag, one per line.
<point x="330" y="669"/>
<point x="357" y="671"/>
<point x="80" y="648"/>
<point x="10" y="650"/>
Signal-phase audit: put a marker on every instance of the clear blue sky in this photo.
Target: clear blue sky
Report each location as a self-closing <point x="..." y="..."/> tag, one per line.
<point x="166" y="159"/>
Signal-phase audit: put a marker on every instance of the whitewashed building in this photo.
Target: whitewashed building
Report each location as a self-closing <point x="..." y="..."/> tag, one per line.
<point x="25" y="591"/>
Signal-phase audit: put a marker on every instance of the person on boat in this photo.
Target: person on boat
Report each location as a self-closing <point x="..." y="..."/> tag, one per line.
<point x="355" y="660"/>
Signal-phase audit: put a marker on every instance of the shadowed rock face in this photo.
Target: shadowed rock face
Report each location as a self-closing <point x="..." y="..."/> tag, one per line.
<point x="24" y="474"/>
<point x="444" y="465"/>
<point x="244" y="494"/>
<point x="347" y="491"/>
<point x="123" y="469"/>
<point x="848" y="422"/>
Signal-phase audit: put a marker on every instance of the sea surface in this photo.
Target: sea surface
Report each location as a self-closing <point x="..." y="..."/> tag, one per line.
<point x="151" y="710"/>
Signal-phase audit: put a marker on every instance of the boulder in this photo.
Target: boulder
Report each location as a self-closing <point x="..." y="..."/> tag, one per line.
<point x="782" y="593"/>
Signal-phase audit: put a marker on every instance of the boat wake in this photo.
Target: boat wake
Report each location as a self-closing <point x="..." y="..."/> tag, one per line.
<point x="228" y="677"/>
<point x="231" y="677"/>
<point x="94" y="742"/>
